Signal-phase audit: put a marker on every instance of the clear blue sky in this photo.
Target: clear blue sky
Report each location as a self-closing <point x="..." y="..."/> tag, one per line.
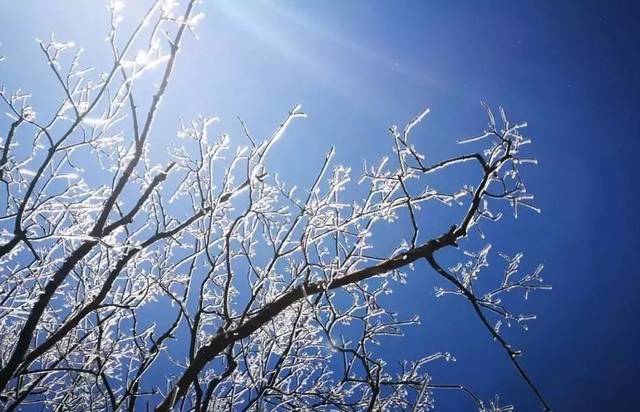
<point x="571" y="69"/>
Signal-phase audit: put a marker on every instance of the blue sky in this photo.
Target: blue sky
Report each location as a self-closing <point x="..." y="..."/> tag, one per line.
<point x="571" y="69"/>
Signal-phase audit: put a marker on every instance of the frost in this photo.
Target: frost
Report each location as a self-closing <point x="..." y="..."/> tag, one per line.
<point x="133" y="262"/>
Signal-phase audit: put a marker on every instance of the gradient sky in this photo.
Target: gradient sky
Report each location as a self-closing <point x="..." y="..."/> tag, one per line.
<point x="571" y="69"/>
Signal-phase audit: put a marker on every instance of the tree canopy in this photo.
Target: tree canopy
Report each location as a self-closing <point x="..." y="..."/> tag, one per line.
<point x="198" y="278"/>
